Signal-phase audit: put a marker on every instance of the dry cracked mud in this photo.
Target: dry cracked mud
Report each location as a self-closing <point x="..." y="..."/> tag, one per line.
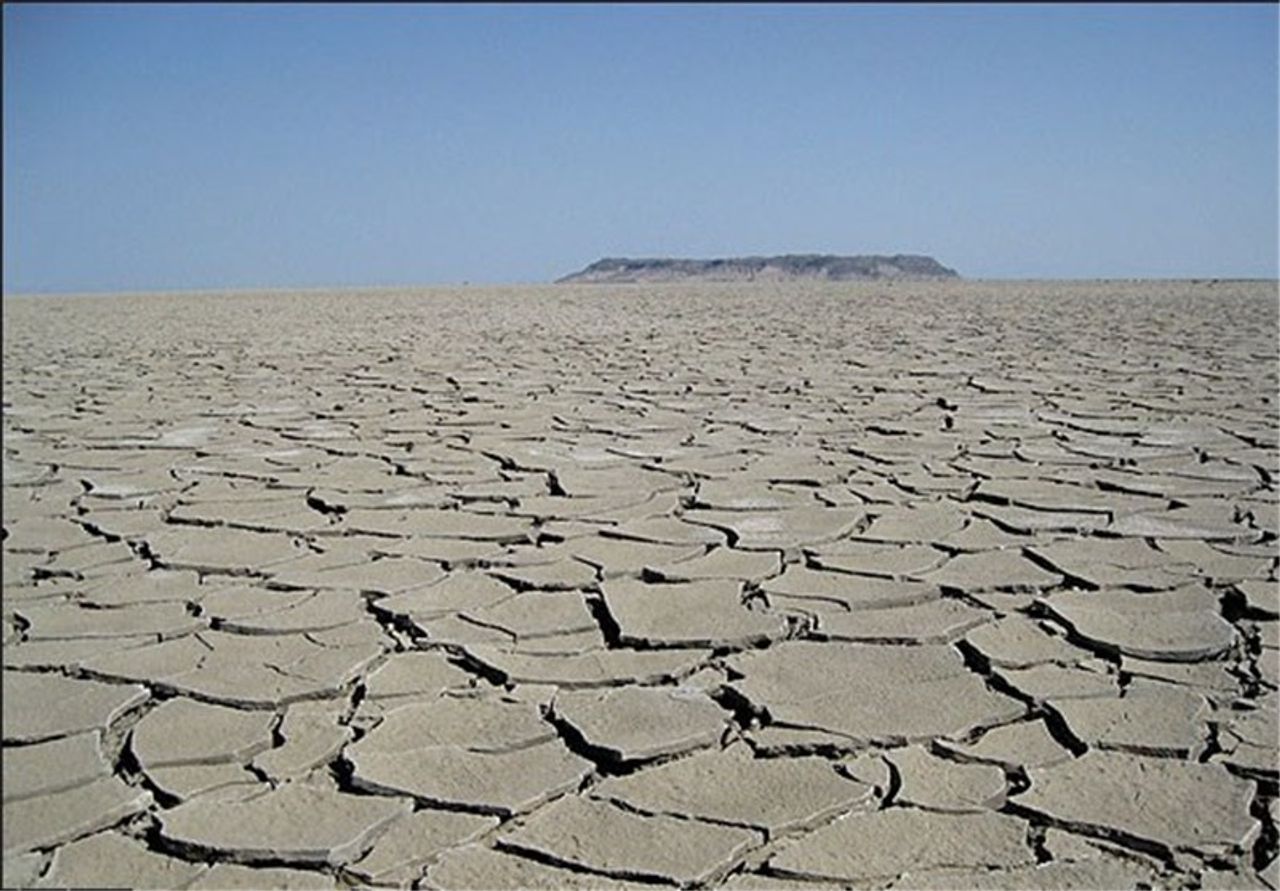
<point x="938" y="585"/>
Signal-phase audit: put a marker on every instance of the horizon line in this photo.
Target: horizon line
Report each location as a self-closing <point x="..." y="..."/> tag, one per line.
<point x="264" y="289"/>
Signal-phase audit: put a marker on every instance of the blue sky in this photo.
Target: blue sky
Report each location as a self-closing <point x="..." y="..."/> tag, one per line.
<point x="210" y="146"/>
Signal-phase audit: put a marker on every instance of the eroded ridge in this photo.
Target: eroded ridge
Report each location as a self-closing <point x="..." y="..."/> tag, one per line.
<point x="928" y="585"/>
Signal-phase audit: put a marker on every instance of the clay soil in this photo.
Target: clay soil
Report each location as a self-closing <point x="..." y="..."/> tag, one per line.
<point x="884" y="585"/>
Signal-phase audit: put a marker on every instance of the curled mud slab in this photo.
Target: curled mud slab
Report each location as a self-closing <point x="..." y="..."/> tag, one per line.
<point x="908" y="585"/>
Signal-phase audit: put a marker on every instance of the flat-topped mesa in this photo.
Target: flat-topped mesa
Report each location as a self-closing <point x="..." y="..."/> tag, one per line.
<point x="789" y="267"/>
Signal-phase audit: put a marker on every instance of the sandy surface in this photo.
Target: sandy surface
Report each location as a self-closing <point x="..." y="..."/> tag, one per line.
<point x="915" y="585"/>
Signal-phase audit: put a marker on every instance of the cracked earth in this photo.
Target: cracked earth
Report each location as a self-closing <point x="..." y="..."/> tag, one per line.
<point x="955" y="585"/>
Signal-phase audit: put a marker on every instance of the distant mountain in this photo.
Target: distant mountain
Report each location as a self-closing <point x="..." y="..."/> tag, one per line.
<point x="790" y="267"/>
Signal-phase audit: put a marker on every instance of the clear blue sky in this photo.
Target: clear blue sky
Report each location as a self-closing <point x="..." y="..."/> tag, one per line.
<point x="150" y="147"/>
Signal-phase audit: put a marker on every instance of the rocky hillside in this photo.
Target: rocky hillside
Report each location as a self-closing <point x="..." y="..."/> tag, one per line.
<point x="821" y="267"/>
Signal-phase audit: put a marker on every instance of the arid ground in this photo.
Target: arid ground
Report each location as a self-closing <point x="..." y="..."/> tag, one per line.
<point x="949" y="585"/>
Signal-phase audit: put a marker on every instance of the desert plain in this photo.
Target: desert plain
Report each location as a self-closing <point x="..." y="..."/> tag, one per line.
<point x="868" y="585"/>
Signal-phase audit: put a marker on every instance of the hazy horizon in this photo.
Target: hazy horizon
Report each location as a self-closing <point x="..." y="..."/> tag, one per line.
<point x="233" y="148"/>
<point x="479" y="286"/>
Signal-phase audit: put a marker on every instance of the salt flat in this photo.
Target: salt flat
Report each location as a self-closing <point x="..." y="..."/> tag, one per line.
<point x="882" y="585"/>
